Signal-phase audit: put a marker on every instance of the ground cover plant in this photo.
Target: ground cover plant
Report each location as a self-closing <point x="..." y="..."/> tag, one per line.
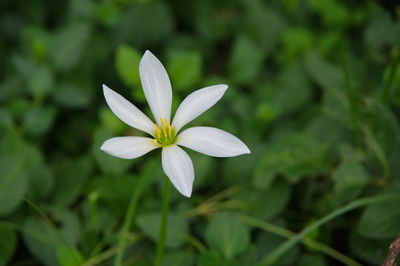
<point x="313" y="92"/>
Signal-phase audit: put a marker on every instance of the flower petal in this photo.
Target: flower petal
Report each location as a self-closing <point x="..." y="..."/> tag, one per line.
<point x="197" y="103"/>
<point x="128" y="147"/>
<point x="156" y="86"/>
<point x="178" y="167"/>
<point x="127" y="112"/>
<point x="212" y="141"/>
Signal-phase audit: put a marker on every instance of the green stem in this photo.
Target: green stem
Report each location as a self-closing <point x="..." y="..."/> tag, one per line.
<point x="392" y="75"/>
<point x="164" y="223"/>
<point x="273" y="256"/>
<point x="137" y="192"/>
<point x="306" y="241"/>
<point x="352" y="99"/>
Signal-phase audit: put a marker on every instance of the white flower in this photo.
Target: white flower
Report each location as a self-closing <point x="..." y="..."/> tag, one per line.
<point x="176" y="162"/>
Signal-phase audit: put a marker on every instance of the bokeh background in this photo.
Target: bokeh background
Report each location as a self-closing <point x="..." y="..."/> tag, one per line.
<point x="313" y="91"/>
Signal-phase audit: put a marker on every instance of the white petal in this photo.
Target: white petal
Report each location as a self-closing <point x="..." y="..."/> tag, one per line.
<point x="197" y="103"/>
<point x="156" y="86"/>
<point x="178" y="167"/>
<point x="128" y="147"/>
<point x="127" y="112"/>
<point x="212" y="141"/>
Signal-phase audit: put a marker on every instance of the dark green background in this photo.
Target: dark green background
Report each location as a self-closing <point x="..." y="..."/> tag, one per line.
<point x="318" y="139"/>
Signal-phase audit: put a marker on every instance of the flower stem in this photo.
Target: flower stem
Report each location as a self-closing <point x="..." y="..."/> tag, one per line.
<point x="137" y="192"/>
<point x="164" y="223"/>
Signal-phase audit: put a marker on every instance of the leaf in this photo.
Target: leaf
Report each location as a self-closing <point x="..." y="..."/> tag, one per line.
<point x="210" y="258"/>
<point x="350" y="178"/>
<point x="293" y="155"/>
<point x="68" y="256"/>
<point x="38" y="77"/>
<point x="312" y="259"/>
<point x="8" y="244"/>
<point x="291" y="92"/>
<point x="270" y="34"/>
<point x="266" y="242"/>
<point x="143" y="25"/>
<point x="178" y="258"/>
<point x="177" y="228"/>
<point x="42" y="239"/>
<point x="13" y="175"/>
<point x="381" y="220"/>
<point x="68" y="45"/>
<point x="227" y="235"/>
<point x="127" y="61"/>
<point x="38" y="120"/>
<point x="245" y="60"/>
<point x="74" y="93"/>
<point x="185" y="69"/>
<point x="322" y="72"/>
<point x="373" y="251"/>
<point x="296" y="42"/>
<point x="267" y="203"/>
<point x="71" y="176"/>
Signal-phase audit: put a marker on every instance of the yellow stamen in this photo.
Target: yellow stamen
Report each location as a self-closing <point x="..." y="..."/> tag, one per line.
<point x="164" y="134"/>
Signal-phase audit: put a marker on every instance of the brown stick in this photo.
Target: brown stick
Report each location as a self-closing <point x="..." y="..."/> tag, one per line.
<point x="394" y="250"/>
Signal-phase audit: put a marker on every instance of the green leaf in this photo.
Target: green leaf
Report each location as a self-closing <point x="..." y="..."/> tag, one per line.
<point x="38" y="120"/>
<point x="245" y="61"/>
<point x="43" y="239"/>
<point x="75" y="93"/>
<point x="185" y="69"/>
<point x="210" y="258"/>
<point x="373" y="251"/>
<point x="293" y="155"/>
<point x="13" y="175"/>
<point x="144" y="25"/>
<point x="68" y="256"/>
<point x="127" y="61"/>
<point x="312" y="259"/>
<point x="68" y="45"/>
<point x="178" y="258"/>
<point x="350" y="178"/>
<point x="270" y="34"/>
<point x="322" y="72"/>
<point x="177" y="228"/>
<point x="267" y="203"/>
<point x="291" y="92"/>
<point x="39" y="77"/>
<point x="71" y="176"/>
<point x="8" y="244"/>
<point x="266" y="242"/>
<point x="227" y="235"/>
<point x="296" y="42"/>
<point x="41" y="81"/>
<point x="381" y="220"/>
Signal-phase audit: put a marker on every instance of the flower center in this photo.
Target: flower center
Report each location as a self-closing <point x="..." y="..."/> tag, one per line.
<point x="166" y="135"/>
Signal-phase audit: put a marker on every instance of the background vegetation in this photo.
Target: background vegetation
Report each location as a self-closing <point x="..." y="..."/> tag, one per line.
<point x="313" y="91"/>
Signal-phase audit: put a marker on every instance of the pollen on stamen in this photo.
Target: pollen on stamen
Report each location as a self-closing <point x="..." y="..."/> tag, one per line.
<point x="165" y="134"/>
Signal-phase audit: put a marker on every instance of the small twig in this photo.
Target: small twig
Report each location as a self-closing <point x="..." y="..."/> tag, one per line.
<point x="394" y="250"/>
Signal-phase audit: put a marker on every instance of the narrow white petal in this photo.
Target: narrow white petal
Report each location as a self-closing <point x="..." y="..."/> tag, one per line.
<point x="156" y="86"/>
<point x="178" y="167"/>
<point x="128" y="147"/>
<point x="197" y="103"/>
<point x="212" y="141"/>
<point x="127" y="112"/>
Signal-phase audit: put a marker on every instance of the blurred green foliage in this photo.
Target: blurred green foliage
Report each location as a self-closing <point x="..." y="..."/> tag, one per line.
<point x="314" y="92"/>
